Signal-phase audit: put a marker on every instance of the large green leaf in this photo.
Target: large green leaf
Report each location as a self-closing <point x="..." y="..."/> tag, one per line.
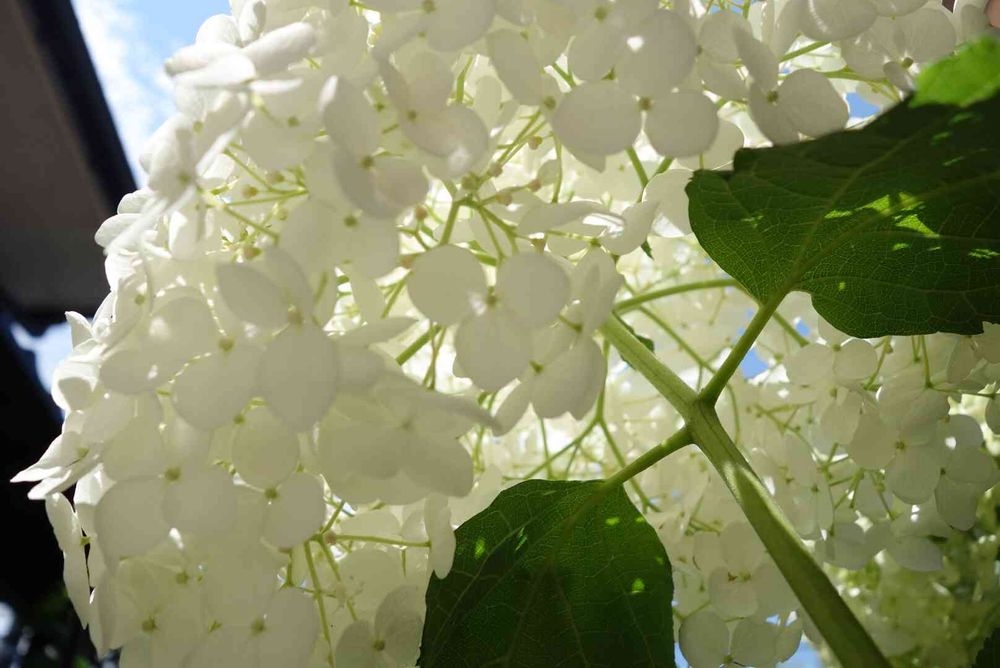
<point x="553" y="573"/>
<point x="893" y="229"/>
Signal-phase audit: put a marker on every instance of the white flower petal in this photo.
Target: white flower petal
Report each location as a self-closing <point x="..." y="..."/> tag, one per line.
<point x="201" y="501"/>
<point x="856" y="360"/>
<point x="753" y="643"/>
<point x="492" y="349"/>
<point x="660" y="56"/>
<point x="265" y="451"/>
<point x="400" y="182"/>
<point x="229" y="71"/>
<point x="597" y="118"/>
<point x="715" y="36"/>
<point x="929" y="34"/>
<point x="533" y="287"/>
<point x="682" y="124"/>
<point x="441" y="464"/>
<point x="298" y="375"/>
<point x="212" y="390"/>
<point x="667" y="190"/>
<point x="913" y="474"/>
<point x="571" y="382"/>
<point x="399" y="623"/>
<point x="638" y="220"/>
<point x="810" y="364"/>
<point x="916" y="553"/>
<point x="513" y="407"/>
<point x="874" y="442"/>
<point x="544" y="217"/>
<point x="445" y="282"/>
<point x="281" y="47"/>
<point x="829" y="20"/>
<point x="356" y="647"/>
<point x="596" y="50"/>
<point x="457" y="23"/>
<point x="296" y="512"/>
<point x="349" y="118"/>
<point x="812" y="104"/>
<point x="956" y="502"/>
<point x="251" y="295"/>
<point x="290" y="630"/>
<point x="129" y="518"/>
<point x="704" y="640"/>
<point x="771" y="120"/>
<point x="516" y="65"/>
<point x="759" y="60"/>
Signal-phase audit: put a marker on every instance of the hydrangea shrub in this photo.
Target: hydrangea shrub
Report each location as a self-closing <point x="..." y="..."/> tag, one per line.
<point x="407" y="266"/>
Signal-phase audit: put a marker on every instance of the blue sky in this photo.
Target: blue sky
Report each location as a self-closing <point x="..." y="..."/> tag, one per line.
<point x="128" y="41"/>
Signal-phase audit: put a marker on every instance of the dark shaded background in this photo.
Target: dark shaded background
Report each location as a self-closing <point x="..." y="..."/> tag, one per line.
<point x="63" y="172"/>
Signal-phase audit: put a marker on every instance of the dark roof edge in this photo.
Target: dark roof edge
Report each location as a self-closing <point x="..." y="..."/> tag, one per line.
<point x="57" y="33"/>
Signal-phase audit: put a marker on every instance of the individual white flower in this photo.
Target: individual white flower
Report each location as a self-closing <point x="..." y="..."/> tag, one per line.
<point x="967" y="473"/>
<point x="494" y="338"/>
<point x="849" y="546"/>
<point x="799" y="487"/>
<point x="392" y="640"/>
<point x="682" y="124"/>
<point x="399" y="429"/>
<point x="284" y="633"/>
<point x="452" y="133"/>
<point x="805" y="103"/>
<point x="517" y="65"/>
<point x="447" y="25"/>
<point x="745" y="581"/>
<point x="597" y="119"/>
<point x="894" y="45"/>
<point x="706" y="642"/>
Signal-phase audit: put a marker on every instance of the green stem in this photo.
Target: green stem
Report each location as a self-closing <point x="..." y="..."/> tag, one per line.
<point x="804" y="50"/>
<point x="840" y="628"/>
<point x="647" y="459"/>
<point x="714" y="388"/>
<point x="666" y="382"/>
<point x="383" y="541"/>
<point x="847" y="638"/>
<point x="449" y="224"/>
<point x="646" y="503"/>
<point x="318" y="596"/>
<point x="633" y="303"/>
<point x="415" y="347"/>
<point x="640" y="171"/>
<point x="790" y="329"/>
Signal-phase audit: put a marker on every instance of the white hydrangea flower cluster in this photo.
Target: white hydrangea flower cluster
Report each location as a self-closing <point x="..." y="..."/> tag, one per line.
<point x="268" y="450"/>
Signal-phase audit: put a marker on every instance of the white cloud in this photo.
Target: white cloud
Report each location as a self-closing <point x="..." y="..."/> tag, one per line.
<point x="131" y="73"/>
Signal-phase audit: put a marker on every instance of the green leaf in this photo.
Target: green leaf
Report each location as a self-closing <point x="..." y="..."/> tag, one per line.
<point x="972" y="77"/>
<point x="989" y="655"/>
<point x="553" y="573"/>
<point x="893" y="229"/>
<point x="647" y="249"/>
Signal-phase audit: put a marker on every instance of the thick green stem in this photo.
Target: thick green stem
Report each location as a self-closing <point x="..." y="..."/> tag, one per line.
<point x="732" y="362"/>
<point x="840" y="628"/>
<point x="666" y="382"/>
